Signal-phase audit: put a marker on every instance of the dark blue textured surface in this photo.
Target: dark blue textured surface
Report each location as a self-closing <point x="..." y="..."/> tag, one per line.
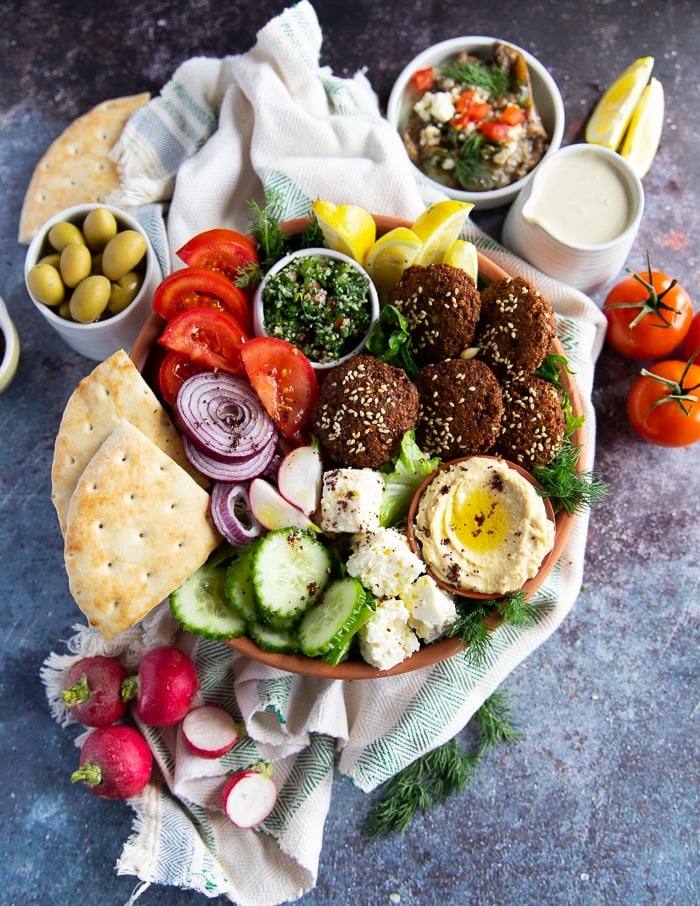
<point x="598" y="802"/>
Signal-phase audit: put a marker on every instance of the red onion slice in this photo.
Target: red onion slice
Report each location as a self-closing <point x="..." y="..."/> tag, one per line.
<point x="222" y="415"/>
<point x="233" y="469"/>
<point x="231" y="514"/>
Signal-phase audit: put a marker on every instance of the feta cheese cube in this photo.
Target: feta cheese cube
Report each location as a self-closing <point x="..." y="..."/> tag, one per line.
<point x="384" y="562"/>
<point x="432" y="611"/>
<point x="351" y="500"/>
<point x="386" y="638"/>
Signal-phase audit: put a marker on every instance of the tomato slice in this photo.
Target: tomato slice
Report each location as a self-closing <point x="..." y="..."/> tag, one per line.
<point x="284" y="380"/>
<point x="207" y="337"/>
<point x="174" y="369"/>
<point x="197" y="287"/>
<point x="220" y="249"/>
<point x="495" y="131"/>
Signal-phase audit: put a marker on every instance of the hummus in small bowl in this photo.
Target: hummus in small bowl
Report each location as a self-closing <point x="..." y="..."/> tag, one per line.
<point x="481" y="528"/>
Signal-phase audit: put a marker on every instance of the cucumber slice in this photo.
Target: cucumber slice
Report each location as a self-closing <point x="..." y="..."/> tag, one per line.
<point x="282" y="641"/>
<point x="201" y="607"/>
<point x="327" y="628"/>
<point x="239" y="586"/>
<point x="289" y="570"/>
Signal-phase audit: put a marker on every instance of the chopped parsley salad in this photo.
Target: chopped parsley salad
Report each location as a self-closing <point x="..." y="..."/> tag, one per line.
<point x="319" y="304"/>
<point x="473" y="125"/>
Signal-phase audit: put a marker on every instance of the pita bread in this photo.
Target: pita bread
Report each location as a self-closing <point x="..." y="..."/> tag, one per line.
<point x="76" y="167"/>
<point x="138" y="525"/>
<point x="114" y="390"/>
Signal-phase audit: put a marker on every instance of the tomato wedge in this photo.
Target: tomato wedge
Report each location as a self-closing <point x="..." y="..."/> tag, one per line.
<point x="173" y="371"/>
<point x="284" y="380"/>
<point x="220" y="249"/>
<point x="197" y="287"/>
<point x="207" y="337"/>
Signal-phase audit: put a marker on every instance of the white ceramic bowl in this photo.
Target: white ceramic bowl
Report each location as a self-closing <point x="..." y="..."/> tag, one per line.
<point x="578" y="217"/>
<point x="10" y="357"/>
<point x="99" y="339"/>
<point x="544" y="90"/>
<point x="258" y="305"/>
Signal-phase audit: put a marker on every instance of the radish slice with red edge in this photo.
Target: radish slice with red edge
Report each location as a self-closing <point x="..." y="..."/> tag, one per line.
<point x="249" y="796"/>
<point x="209" y="732"/>
<point x="232" y="515"/>
<point x="271" y="509"/>
<point x="222" y="415"/>
<point x="300" y="478"/>
<point x="234" y="469"/>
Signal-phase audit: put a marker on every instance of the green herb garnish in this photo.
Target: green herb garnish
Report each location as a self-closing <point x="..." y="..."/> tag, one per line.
<point x="568" y="488"/>
<point x="390" y="340"/>
<point x="550" y="370"/>
<point x="402" y="478"/>
<point x="492" y="79"/>
<point x="437" y="775"/>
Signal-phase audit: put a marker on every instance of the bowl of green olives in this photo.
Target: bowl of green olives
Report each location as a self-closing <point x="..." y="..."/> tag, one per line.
<point x="91" y="271"/>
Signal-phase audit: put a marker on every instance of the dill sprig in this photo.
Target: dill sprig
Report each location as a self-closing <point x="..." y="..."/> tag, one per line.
<point x="437" y="775"/>
<point x="492" y="79"/>
<point x="470" y="170"/>
<point x="568" y="488"/>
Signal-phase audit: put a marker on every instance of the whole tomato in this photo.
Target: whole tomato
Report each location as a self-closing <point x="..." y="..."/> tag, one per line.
<point x="691" y="344"/>
<point x="663" y="404"/>
<point x="648" y="315"/>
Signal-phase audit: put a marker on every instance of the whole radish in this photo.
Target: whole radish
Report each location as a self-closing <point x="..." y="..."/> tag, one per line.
<point x="249" y="796"/>
<point x="115" y="762"/>
<point x="164" y="686"/>
<point x="209" y="732"/>
<point x="93" y="690"/>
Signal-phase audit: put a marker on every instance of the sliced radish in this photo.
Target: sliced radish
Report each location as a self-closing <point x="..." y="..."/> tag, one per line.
<point x="209" y="731"/>
<point x="271" y="509"/>
<point x="249" y="796"/>
<point x="300" y="476"/>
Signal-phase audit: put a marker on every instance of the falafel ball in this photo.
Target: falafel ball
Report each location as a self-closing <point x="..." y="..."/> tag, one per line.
<point x="364" y="408"/>
<point x="442" y="307"/>
<point x="460" y="408"/>
<point x="533" y="423"/>
<point x="516" y="329"/>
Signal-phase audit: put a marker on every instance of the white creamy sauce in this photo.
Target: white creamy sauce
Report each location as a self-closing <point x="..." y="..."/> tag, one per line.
<point x="583" y="199"/>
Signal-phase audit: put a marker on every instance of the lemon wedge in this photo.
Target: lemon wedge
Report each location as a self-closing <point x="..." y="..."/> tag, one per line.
<point x="346" y="228"/>
<point x="611" y="115"/>
<point x="463" y="254"/>
<point x="644" y="133"/>
<point x="438" y="227"/>
<point x="389" y="257"/>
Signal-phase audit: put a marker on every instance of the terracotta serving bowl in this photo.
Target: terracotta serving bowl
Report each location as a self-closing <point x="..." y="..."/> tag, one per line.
<point x="427" y="655"/>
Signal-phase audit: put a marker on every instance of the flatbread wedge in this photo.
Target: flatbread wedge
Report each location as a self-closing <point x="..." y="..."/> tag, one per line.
<point x="76" y="167"/>
<point x="137" y="526"/>
<point x="114" y="390"/>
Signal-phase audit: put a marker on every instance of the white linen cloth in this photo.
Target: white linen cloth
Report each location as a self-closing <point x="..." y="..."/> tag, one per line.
<point x="220" y="133"/>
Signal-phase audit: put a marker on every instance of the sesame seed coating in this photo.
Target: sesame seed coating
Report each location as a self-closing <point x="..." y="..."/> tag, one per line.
<point x="533" y="423"/>
<point x="442" y="306"/>
<point x="364" y="408"/>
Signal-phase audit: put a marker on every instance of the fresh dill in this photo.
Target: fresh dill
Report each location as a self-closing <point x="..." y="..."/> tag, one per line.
<point x="568" y="487"/>
<point x="437" y="775"/>
<point x="469" y="162"/>
<point x="492" y="79"/>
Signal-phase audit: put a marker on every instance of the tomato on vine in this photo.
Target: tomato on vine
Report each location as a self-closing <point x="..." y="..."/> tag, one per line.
<point x="663" y="404"/>
<point x="648" y="314"/>
<point x="691" y="344"/>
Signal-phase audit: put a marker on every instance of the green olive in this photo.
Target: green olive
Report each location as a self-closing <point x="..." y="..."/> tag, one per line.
<point x="45" y="284"/>
<point x="122" y="254"/>
<point x="99" y="226"/>
<point x="89" y="299"/>
<point x="124" y="292"/>
<point x="76" y="263"/>
<point x="64" y="233"/>
<point x="54" y="259"/>
<point x="63" y="310"/>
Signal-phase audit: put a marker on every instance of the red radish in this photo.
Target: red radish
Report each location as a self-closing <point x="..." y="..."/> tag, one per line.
<point x="115" y="762"/>
<point x="93" y="690"/>
<point x="300" y="476"/>
<point x="272" y="510"/>
<point x="249" y="796"/>
<point x="209" y="731"/>
<point x="164" y="687"/>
